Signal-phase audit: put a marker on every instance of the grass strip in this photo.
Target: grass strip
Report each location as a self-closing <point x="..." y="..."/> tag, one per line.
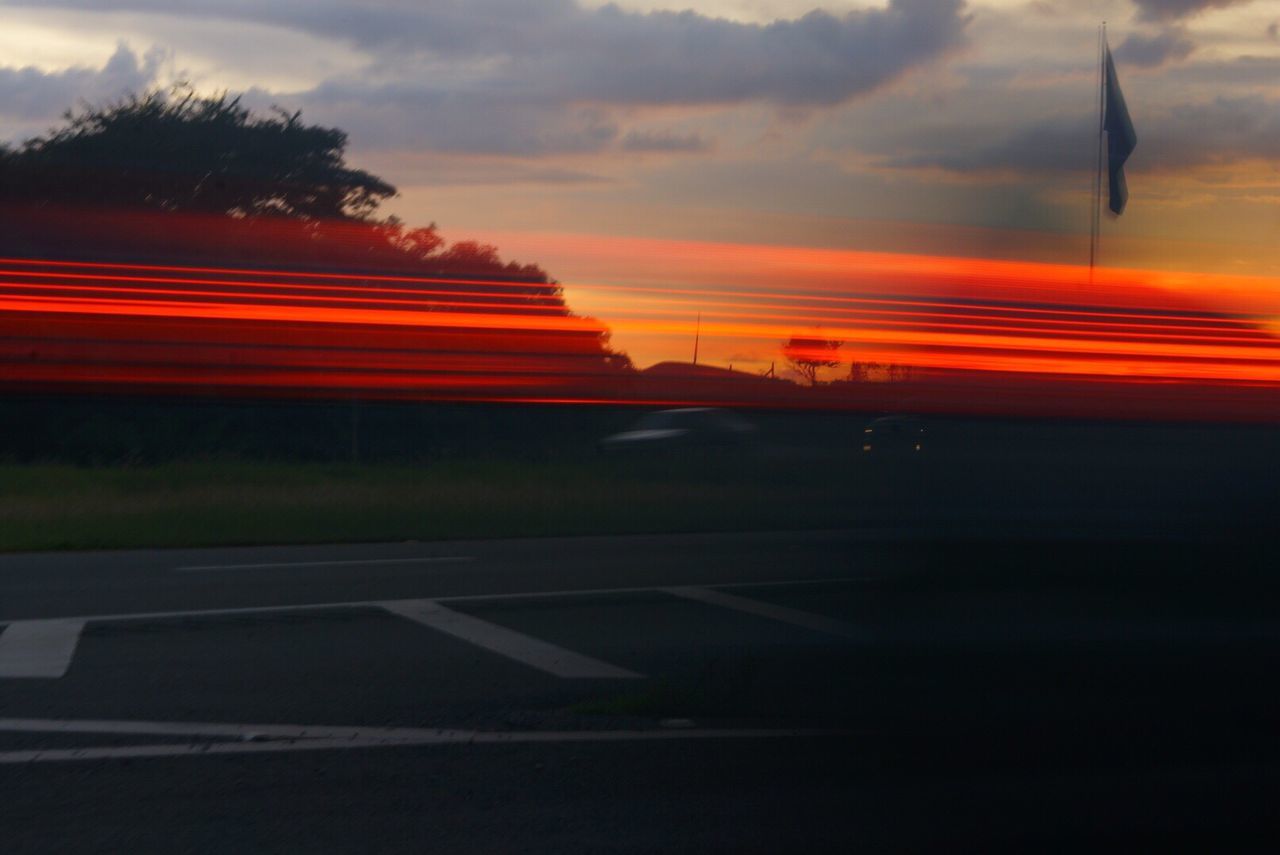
<point x="46" y="507"/>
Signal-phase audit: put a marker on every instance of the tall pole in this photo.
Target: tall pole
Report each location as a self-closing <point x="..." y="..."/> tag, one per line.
<point x="697" y="333"/>
<point x="1095" y="218"/>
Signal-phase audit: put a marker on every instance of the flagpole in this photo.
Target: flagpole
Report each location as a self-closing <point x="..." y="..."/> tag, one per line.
<point x="1095" y="219"/>
<point x="697" y="335"/>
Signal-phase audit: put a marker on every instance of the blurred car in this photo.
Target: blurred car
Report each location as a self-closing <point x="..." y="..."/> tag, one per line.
<point x="893" y="435"/>
<point x="690" y="427"/>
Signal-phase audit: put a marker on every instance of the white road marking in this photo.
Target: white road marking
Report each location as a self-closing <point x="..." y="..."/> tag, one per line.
<point x="784" y="614"/>
<point x="207" y="729"/>
<point x="506" y="642"/>
<point x="43" y="647"/>
<point x="648" y="589"/>
<point x="39" y="648"/>
<point x="460" y="598"/>
<point x="267" y="738"/>
<point x="214" y="568"/>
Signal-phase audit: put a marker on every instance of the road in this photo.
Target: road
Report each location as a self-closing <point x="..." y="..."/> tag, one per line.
<point x="760" y="692"/>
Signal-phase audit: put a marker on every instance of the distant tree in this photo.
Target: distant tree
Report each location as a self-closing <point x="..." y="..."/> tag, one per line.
<point x="890" y="372"/>
<point x="862" y="372"/>
<point x="260" y="189"/>
<point x="808" y="355"/>
<point x="283" y="189"/>
<point x="190" y="153"/>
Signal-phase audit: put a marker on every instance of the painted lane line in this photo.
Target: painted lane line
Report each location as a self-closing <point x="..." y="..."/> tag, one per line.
<point x="242" y="731"/>
<point x="216" y="730"/>
<point x="808" y="620"/>
<point x="215" y="568"/>
<point x="440" y="737"/>
<point x="648" y="589"/>
<point x="506" y="642"/>
<point x="459" y="598"/>
<point x="39" y="648"/>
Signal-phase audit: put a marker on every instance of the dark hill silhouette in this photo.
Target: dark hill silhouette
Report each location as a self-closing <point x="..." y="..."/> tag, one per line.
<point x="688" y="370"/>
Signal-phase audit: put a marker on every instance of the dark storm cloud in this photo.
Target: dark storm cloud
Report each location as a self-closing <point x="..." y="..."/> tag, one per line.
<point x="1051" y="146"/>
<point x="1172" y="45"/>
<point x="1222" y="131"/>
<point x="685" y="58"/>
<point x="28" y="93"/>
<point x="513" y="77"/>
<point x="560" y="50"/>
<point x="1172" y="10"/>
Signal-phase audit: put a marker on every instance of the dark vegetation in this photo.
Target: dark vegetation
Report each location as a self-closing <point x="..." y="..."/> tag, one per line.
<point x="179" y="178"/>
<point x="191" y="180"/>
<point x="208" y="472"/>
<point x="193" y="154"/>
<point x="108" y="431"/>
<point x="149" y="472"/>
<point x="274" y="189"/>
<point x="807" y="355"/>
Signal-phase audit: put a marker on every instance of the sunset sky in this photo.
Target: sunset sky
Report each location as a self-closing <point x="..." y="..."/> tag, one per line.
<point x="693" y="147"/>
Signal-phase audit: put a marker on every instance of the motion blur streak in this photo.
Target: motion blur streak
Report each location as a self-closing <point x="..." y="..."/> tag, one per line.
<point x="973" y="335"/>
<point x="201" y="330"/>
<point x="1154" y="333"/>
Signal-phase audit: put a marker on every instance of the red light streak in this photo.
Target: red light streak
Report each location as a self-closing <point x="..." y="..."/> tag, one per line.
<point x="118" y="325"/>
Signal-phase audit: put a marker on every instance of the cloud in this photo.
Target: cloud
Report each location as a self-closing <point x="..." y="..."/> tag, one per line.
<point x="559" y="49"/>
<point x="1172" y="10"/>
<point x="31" y="94"/>
<point x="547" y="79"/>
<point x="685" y="58"/>
<point x="1221" y="131"/>
<point x="1055" y="145"/>
<point x="1247" y="72"/>
<point x="665" y="142"/>
<point x="405" y="115"/>
<point x="1183" y="137"/>
<point x="1172" y="45"/>
<point x="512" y="77"/>
<point x="415" y="169"/>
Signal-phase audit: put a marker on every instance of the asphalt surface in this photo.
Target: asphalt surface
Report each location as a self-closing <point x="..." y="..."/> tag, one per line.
<point x="770" y="692"/>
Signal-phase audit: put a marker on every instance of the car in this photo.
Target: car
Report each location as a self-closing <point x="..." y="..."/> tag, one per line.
<point x="893" y="435"/>
<point x="687" y="427"/>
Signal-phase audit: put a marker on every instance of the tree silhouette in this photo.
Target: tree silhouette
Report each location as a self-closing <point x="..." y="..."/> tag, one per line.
<point x="182" y="178"/>
<point x="889" y="372"/>
<point x="195" y="154"/>
<point x="807" y="355"/>
<point x="255" y="189"/>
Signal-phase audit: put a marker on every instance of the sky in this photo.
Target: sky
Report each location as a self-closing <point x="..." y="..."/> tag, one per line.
<point x="690" y="146"/>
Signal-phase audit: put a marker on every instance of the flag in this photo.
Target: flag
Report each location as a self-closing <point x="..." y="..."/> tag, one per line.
<point x="1121" y="138"/>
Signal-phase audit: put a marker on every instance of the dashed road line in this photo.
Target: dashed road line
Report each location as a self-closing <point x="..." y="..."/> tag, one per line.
<point x="808" y="620"/>
<point x="215" y="568"/>
<point x="216" y="730"/>
<point x="269" y="739"/>
<point x="506" y="642"/>
<point x="39" y="648"/>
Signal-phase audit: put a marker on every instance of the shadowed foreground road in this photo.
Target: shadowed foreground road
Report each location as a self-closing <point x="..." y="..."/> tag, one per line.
<point x="769" y="692"/>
